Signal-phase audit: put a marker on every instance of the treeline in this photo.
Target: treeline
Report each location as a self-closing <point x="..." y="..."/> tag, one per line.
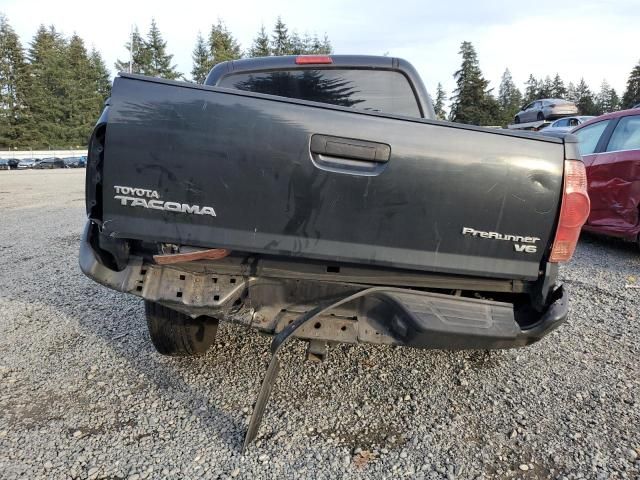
<point x="221" y="45"/>
<point x="52" y="92"/>
<point x="473" y="102"/>
<point x="148" y="55"/>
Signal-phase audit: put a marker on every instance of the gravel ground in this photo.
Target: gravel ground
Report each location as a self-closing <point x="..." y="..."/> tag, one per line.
<point x="84" y="395"/>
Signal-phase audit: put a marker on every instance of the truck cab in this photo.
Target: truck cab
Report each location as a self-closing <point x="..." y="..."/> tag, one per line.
<point x="372" y="83"/>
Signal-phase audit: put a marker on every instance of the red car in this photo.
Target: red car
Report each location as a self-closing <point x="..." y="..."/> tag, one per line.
<point x="610" y="147"/>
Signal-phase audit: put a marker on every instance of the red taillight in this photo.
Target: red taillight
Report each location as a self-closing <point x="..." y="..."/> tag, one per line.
<point x="313" y="59"/>
<point x="573" y="211"/>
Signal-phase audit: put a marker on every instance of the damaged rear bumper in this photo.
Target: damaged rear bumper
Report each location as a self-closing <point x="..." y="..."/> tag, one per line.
<point x="429" y="320"/>
<point x="384" y="315"/>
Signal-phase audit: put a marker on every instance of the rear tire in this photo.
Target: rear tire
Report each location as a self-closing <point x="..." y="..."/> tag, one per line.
<point x="175" y="334"/>
<point x="517" y="119"/>
<point x="540" y="116"/>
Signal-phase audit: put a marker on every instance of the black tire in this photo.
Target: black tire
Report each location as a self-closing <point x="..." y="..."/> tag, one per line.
<point x="540" y="116"/>
<point x="517" y="119"/>
<point x="176" y="334"/>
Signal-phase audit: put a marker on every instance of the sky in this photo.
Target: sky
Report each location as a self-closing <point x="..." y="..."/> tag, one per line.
<point x="587" y="38"/>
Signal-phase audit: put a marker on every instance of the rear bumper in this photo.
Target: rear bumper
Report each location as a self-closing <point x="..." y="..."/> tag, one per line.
<point x="428" y="320"/>
<point x="553" y="114"/>
<point x="385" y="315"/>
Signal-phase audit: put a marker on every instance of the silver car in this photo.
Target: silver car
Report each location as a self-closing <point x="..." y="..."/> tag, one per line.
<point x="567" y="123"/>
<point x="28" y="163"/>
<point x="546" y="109"/>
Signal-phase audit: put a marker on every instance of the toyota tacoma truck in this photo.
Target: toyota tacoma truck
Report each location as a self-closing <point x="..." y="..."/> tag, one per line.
<point x="317" y="197"/>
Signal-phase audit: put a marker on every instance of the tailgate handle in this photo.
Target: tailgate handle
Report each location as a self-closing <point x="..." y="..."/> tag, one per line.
<point x="350" y="148"/>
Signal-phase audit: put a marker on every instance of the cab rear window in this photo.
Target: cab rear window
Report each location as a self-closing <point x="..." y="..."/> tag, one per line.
<point x="374" y="90"/>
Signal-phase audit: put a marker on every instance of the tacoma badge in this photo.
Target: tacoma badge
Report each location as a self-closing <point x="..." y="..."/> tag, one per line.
<point x="141" y="197"/>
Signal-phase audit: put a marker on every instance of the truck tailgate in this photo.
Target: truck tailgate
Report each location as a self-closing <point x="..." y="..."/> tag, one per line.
<point x="204" y="166"/>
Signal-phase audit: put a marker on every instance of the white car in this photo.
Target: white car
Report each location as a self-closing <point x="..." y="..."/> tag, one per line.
<point x="566" y="124"/>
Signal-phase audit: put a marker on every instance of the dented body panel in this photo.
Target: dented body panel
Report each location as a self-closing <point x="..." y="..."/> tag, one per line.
<point x="614" y="190"/>
<point x="613" y="177"/>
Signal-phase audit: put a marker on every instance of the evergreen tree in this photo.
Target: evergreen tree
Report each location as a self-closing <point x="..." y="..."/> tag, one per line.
<point x="558" y="90"/>
<point x="48" y="87"/>
<point x="438" y="105"/>
<point x="584" y="99"/>
<point x="631" y="95"/>
<point x="53" y="99"/>
<point x="614" y="101"/>
<point x="315" y="45"/>
<point x="139" y="60"/>
<point x="296" y="45"/>
<point x="310" y="43"/>
<point x="202" y="62"/>
<point x="87" y="85"/>
<point x="100" y="77"/>
<point x="159" y="60"/>
<point x="325" y="46"/>
<point x="546" y="88"/>
<point x="472" y="102"/>
<point x="66" y="91"/>
<point x="509" y="98"/>
<point x="607" y="100"/>
<point x="532" y="90"/>
<point x="571" y="92"/>
<point x="260" y="47"/>
<point x="222" y="44"/>
<point x="280" y="44"/>
<point x="79" y="93"/>
<point x="15" y="126"/>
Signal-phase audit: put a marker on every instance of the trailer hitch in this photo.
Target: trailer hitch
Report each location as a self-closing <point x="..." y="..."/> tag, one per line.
<point x="274" y="364"/>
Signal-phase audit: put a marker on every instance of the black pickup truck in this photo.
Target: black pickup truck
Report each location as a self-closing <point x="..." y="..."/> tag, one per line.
<point x="317" y="197"/>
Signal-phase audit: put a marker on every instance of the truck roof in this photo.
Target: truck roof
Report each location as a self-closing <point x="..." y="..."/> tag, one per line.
<point x="326" y="62"/>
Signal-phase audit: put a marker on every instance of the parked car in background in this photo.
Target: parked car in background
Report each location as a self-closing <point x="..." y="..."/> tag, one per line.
<point x="26" y="163"/>
<point x="50" y="163"/>
<point x="4" y="164"/>
<point x="546" y="109"/>
<point x="637" y="106"/>
<point x="75" y="162"/>
<point x="610" y="147"/>
<point x="13" y="163"/>
<point x="567" y="123"/>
